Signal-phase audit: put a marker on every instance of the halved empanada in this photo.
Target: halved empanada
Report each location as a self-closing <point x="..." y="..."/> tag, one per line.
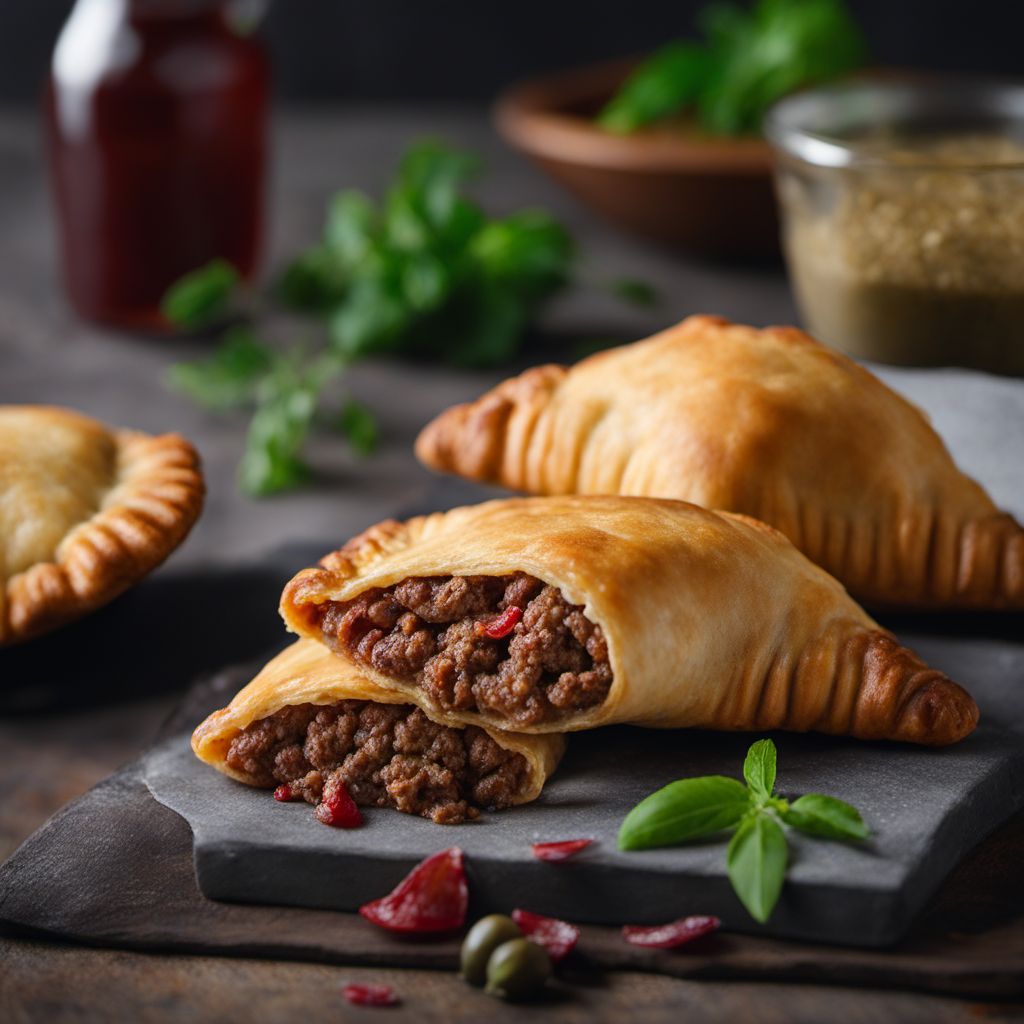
<point x="85" y="512"/>
<point x="769" y="423"/>
<point x="565" y="613"/>
<point x="309" y="720"/>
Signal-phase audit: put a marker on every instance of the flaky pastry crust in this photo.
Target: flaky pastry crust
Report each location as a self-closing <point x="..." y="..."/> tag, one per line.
<point x="307" y="673"/>
<point x="769" y="423"/>
<point x="85" y="512"/>
<point x="712" y="620"/>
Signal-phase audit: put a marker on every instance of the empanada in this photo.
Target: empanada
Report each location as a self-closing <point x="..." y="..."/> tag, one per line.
<point x="565" y="613"/>
<point x="309" y="717"/>
<point x="765" y="422"/>
<point x="85" y="512"/>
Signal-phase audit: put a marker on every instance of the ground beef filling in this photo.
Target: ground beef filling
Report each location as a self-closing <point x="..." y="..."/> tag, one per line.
<point x="387" y="755"/>
<point x="433" y="631"/>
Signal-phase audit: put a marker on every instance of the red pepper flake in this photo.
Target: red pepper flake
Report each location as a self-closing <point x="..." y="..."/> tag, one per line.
<point x="283" y="793"/>
<point x="668" y="936"/>
<point x="371" y="995"/>
<point x="501" y="626"/>
<point x="337" y="808"/>
<point x="559" y="851"/>
<point x="433" y="897"/>
<point x="559" y="938"/>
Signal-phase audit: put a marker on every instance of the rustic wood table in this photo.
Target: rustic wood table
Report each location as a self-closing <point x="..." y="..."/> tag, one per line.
<point x="49" y="756"/>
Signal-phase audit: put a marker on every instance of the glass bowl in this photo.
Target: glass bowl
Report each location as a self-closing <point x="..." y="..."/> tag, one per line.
<point x="903" y="218"/>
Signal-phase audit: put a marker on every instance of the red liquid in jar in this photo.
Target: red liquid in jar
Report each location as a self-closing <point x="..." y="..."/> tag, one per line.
<point x="156" y="114"/>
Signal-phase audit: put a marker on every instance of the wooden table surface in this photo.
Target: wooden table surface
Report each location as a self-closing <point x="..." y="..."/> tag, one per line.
<point x="46" y="760"/>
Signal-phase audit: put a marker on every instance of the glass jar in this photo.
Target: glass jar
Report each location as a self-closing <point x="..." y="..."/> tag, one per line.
<point x="156" y="115"/>
<point x="903" y="218"/>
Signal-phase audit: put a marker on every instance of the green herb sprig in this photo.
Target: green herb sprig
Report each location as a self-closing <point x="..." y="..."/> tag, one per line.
<point x="422" y="273"/>
<point x="749" y="58"/>
<point x="757" y="854"/>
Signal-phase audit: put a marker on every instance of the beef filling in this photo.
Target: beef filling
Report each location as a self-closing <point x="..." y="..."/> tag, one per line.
<point x="449" y="636"/>
<point x="387" y="755"/>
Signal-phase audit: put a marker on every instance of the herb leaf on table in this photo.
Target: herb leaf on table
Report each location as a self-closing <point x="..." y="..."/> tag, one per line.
<point x="424" y="272"/>
<point x="756" y="860"/>
<point x="757" y="854"/>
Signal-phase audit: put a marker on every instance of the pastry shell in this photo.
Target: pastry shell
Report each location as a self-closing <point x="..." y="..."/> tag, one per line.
<point x="712" y="620"/>
<point x="307" y="673"/>
<point x="769" y="423"/>
<point x="85" y="512"/>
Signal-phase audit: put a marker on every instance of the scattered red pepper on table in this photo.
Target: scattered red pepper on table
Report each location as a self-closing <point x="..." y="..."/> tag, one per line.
<point x="559" y="938"/>
<point x="561" y="850"/>
<point x="671" y="935"/>
<point x="433" y="897"/>
<point x="370" y="995"/>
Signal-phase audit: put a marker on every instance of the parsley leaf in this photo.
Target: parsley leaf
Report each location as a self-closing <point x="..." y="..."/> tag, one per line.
<point x="200" y="297"/>
<point x="422" y="272"/>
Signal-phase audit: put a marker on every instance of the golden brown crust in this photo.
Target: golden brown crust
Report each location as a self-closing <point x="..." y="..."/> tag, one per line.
<point x="307" y="673"/>
<point x="85" y="512"/>
<point x="712" y="619"/>
<point x="765" y="422"/>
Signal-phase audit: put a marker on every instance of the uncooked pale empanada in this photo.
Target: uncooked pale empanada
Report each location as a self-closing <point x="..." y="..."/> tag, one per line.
<point x="85" y="512"/>
<point x="769" y="423"/>
<point x="565" y="613"/>
<point x="310" y="718"/>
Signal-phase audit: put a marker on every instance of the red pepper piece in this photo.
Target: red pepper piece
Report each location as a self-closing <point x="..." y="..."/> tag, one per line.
<point x="433" y="897"/>
<point x="370" y="995"/>
<point x="501" y="626"/>
<point x="283" y="793"/>
<point x="559" y="938"/>
<point x="337" y="808"/>
<point x="668" y="936"/>
<point x="559" y="851"/>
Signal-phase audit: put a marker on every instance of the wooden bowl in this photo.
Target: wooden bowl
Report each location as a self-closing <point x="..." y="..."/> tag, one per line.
<point x="706" y="195"/>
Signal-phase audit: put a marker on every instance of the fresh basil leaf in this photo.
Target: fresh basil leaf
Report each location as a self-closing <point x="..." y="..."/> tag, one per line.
<point x="759" y="768"/>
<point x="771" y="50"/>
<point x="756" y="861"/>
<point x="230" y="376"/>
<point x="200" y="297"/>
<point x="662" y="85"/>
<point x="359" y="425"/>
<point x="750" y="57"/>
<point x="825" y="816"/>
<point x="684" y="810"/>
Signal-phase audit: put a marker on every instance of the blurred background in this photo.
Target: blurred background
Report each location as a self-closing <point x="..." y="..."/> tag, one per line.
<point x="327" y="50"/>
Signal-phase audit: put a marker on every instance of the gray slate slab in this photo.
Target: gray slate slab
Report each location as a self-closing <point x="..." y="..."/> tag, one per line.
<point x="926" y="808"/>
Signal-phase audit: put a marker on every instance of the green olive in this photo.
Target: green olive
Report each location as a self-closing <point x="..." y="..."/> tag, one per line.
<point x="517" y="969"/>
<point x="481" y="941"/>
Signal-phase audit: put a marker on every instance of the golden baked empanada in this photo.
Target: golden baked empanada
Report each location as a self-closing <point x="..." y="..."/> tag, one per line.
<point x="565" y="613"/>
<point x="85" y="512"/>
<point x="309" y="718"/>
<point x="765" y="422"/>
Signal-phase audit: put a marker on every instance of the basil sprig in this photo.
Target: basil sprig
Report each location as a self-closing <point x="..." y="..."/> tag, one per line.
<point x="758" y="854"/>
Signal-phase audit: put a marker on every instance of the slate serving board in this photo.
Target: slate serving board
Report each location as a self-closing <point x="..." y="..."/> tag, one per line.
<point x="68" y="880"/>
<point x="926" y="809"/>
